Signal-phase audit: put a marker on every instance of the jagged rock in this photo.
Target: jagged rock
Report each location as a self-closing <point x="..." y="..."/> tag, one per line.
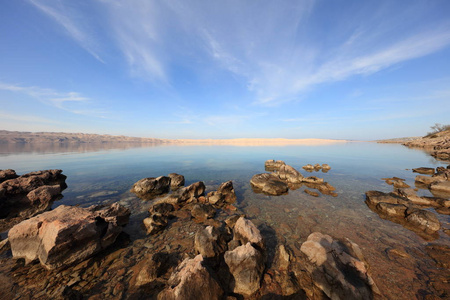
<point x="334" y="270"/>
<point x="231" y="221"/>
<point x="176" y="181"/>
<point x="67" y="234"/>
<point x="148" y="188"/>
<point x="283" y="258"/>
<point x="191" y="192"/>
<point x="44" y="193"/>
<point x="423" y="170"/>
<point x="272" y="165"/>
<point x="375" y="197"/>
<point x="245" y="231"/>
<point x="7" y="174"/>
<point x="312" y="193"/>
<point x="224" y="195"/>
<point x="201" y="212"/>
<point x="162" y="208"/>
<point x="148" y="269"/>
<point x="396" y="182"/>
<point x="425" y="179"/>
<point x="246" y="265"/>
<point x="155" y="223"/>
<point x="192" y="280"/>
<point x="269" y="184"/>
<point x="423" y="219"/>
<point x="209" y="242"/>
<point x="289" y="174"/>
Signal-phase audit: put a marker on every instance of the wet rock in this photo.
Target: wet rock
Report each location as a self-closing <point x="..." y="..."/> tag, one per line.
<point x="148" y="270"/>
<point x="209" y="242"/>
<point x="326" y="167"/>
<point x="246" y="265"/>
<point x="272" y="165"/>
<point x="442" y="187"/>
<point x="312" y="193"/>
<point x="396" y="182"/>
<point x="224" y="195"/>
<point x="7" y="174"/>
<point x="157" y="222"/>
<point x="411" y="195"/>
<point x="269" y="184"/>
<point x="312" y="179"/>
<point x="326" y="189"/>
<point x="245" y="231"/>
<point x="425" y="179"/>
<point x="440" y="254"/>
<point x="44" y="193"/>
<point x="176" y="181"/>
<point x="423" y="219"/>
<point x="191" y="192"/>
<point x="423" y="170"/>
<point x="289" y="174"/>
<point x="149" y="188"/>
<point x="308" y="167"/>
<point x="201" y="212"/>
<point x="161" y="208"/>
<point x="397" y="210"/>
<point x="192" y="280"/>
<point x="335" y="271"/>
<point x="375" y="197"/>
<point x="67" y="234"/>
<point x="317" y="167"/>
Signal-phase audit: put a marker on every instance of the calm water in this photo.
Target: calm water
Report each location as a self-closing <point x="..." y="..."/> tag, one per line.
<point x="97" y="175"/>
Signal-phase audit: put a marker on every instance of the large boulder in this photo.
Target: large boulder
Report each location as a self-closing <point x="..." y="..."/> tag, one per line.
<point x="210" y="242"/>
<point x="337" y="268"/>
<point x="246" y="265"/>
<point x="176" y="181"/>
<point x="192" y="280"/>
<point x="224" y="195"/>
<point x="156" y="223"/>
<point x="289" y="174"/>
<point x="269" y="184"/>
<point x="7" y="174"/>
<point x="149" y="188"/>
<point x="189" y="193"/>
<point x="246" y="232"/>
<point x="67" y="234"/>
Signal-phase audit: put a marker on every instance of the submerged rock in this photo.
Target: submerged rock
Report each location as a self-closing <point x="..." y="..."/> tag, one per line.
<point x="192" y="280"/>
<point x="312" y="193"/>
<point x="67" y="234"/>
<point x="269" y="184"/>
<point x="149" y="188"/>
<point x="289" y="174"/>
<point x="246" y="265"/>
<point x="336" y="268"/>
<point x="423" y="170"/>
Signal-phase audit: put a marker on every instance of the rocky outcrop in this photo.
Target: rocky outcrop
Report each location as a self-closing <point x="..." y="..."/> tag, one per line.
<point x="210" y="242"/>
<point x="67" y="234"/>
<point x="7" y="174"/>
<point x="437" y="144"/>
<point x="149" y="188"/>
<point x="246" y="265"/>
<point x="396" y="182"/>
<point x="269" y="183"/>
<point x="192" y="280"/>
<point x="246" y="232"/>
<point x="337" y="268"/>
<point x="224" y="195"/>
<point x="28" y="195"/>
<point x="176" y="181"/>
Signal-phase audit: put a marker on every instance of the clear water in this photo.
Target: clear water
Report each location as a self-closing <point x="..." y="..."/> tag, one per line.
<point x="100" y="175"/>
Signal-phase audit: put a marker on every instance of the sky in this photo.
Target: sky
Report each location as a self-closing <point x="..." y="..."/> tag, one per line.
<point x="358" y="70"/>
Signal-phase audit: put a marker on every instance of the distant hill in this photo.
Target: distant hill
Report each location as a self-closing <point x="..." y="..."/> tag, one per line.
<point x="7" y="137"/>
<point x="398" y="140"/>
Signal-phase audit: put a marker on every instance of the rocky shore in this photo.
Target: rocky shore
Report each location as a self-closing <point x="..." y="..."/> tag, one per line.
<point x="199" y="246"/>
<point x="437" y="144"/>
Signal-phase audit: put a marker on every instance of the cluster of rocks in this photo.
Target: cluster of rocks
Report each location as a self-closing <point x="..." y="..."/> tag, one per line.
<point x="22" y="197"/>
<point x="151" y="187"/>
<point x="405" y="207"/>
<point x="437" y="144"/>
<point x="284" y="177"/>
<point x="317" y="167"/>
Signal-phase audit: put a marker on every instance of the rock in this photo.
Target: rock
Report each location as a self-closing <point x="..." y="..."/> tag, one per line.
<point x="422" y="170"/>
<point x="317" y="167"/>
<point x="326" y="189"/>
<point x="149" y="188"/>
<point x="231" y="221"/>
<point x="308" y="168"/>
<point x="209" y="242"/>
<point x="148" y="269"/>
<point x="440" y="254"/>
<point x="283" y="258"/>
<point x="411" y="195"/>
<point x="335" y="271"/>
<point x="192" y="280"/>
<point x="396" y="182"/>
<point x="44" y="193"/>
<point x="7" y="174"/>
<point x="245" y="231"/>
<point x="155" y="223"/>
<point x="161" y="208"/>
<point x="325" y="167"/>
<point x="269" y="184"/>
<point x="191" y="192"/>
<point x="425" y="179"/>
<point x="312" y="179"/>
<point x="442" y="187"/>
<point x="246" y="265"/>
<point x="272" y="165"/>
<point x="375" y="197"/>
<point x="224" y="195"/>
<point x="423" y="219"/>
<point x="396" y="210"/>
<point x="176" y="181"/>
<point x="289" y="174"/>
<point x="312" y="193"/>
<point x="201" y="212"/>
<point x="67" y="234"/>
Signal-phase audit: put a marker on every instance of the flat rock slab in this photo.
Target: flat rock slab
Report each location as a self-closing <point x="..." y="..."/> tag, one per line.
<point x="269" y="184"/>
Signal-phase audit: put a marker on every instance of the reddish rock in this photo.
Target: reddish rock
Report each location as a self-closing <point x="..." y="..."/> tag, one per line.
<point x="224" y="195"/>
<point x="209" y="242"/>
<point x="245" y="231"/>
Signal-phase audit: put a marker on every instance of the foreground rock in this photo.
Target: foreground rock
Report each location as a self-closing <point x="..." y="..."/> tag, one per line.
<point x="28" y="195"/>
<point x="67" y="234"/>
<point x="7" y="174"/>
<point x="192" y="280"/>
<point x="337" y="268"/>
<point x="149" y="188"/>
<point x="269" y="184"/>
<point x="224" y="195"/>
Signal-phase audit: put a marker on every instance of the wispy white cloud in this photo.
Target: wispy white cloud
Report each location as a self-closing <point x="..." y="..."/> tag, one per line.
<point x="25" y="118"/>
<point x="72" y="102"/>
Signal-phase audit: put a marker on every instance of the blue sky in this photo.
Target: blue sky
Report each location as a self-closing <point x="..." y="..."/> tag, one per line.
<point x="225" y="69"/>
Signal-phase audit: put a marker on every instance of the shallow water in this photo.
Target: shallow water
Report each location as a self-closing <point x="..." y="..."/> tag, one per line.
<point x="399" y="263"/>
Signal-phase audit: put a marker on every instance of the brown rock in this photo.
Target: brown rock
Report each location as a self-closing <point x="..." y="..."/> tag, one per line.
<point x="396" y="210"/>
<point x="246" y="265"/>
<point x="44" y="193"/>
<point x="422" y="170"/>
<point x="224" y="195"/>
<point x="312" y="179"/>
<point x="308" y="167"/>
<point x="161" y="208"/>
<point x="272" y="165"/>
<point x="209" y="242"/>
<point x="176" y="181"/>
<point x="289" y="174"/>
<point x="201" y="212"/>
<point x="269" y="184"/>
<point x="148" y="188"/>
<point x="245" y="231"/>
<point x="312" y="193"/>
<point x="425" y="179"/>
<point x="155" y="223"/>
<point x="67" y="234"/>
<point x="192" y="280"/>
<point x="442" y="187"/>
<point x="423" y="219"/>
<point x="7" y="174"/>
